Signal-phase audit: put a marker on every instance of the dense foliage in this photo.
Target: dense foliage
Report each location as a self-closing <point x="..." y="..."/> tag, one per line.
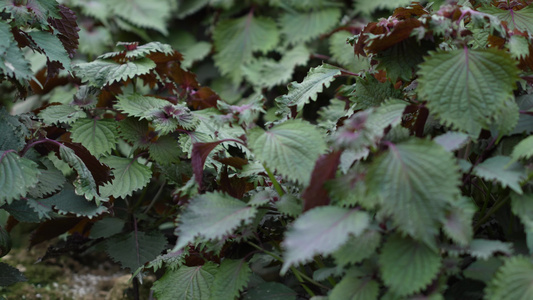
<point x="362" y="149"/>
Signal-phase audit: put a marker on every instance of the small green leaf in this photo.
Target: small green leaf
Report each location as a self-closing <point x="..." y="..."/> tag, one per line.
<point x="512" y="280"/>
<point x="50" y="180"/>
<point x="417" y="180"/>
<point x="14" y="133"/>
<point x="452" y="140"/>
<point x="518" y="46"/>
<point x="300" y="27"/>
<point x="353" y="287"/>
<point x="135" y="131"/>
<point x="523" y="150"/>
<point x="140" y="51"/>
<point x="212" y="216"/>
<point x="480" y="81"/>
<point x="85" y="183"/>
<point x="369" y="92"/>
<point x="134" y="249"/>
<point x="100" y="73"/>
<point x="130" y="175"/>
<point x="501" y="169"/>
<point x="52" y="47"/>
<point x="484" y="249"/>
<point x="516" y="19"/>
<point x="300" y="93"/>
<point x="291" y="148"/>
<point x="186" y="283"/>
<point x="407" y="266"/>
<point x="401" y="60"/>
<point x="98" y="136"/>
<point x="231" y="278"/>
<point x="321" y="230"/>
<point x="235" y="41"/>
<point x="342" y="52"/>
<point x="56" y="114"/>
<point x="17" y="176"/>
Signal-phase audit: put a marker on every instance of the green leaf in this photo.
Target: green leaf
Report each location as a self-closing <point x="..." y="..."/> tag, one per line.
<point x="17" y="176"/>
<point x="483" y="270"/>
<point x="500" y="169"/>
<point x="452" y="140"/>
<point x="67" y="202"/>
<point x="193" y="53"/>
<point x="342" y="52"/>
<point x="235" y="41"/>
<point x="140" y="51"/>
<point x="367" y="7"/>
<point x="100" y="73"/>
<point x="138" y="105"/>
<point x="512" y="280"/>
<point x="271" y="291"/>
<point x="458" y="221"/>
<point x="505" y="120"/>
<point x="95" y="41"/>
<point x="300" y="27"/>
<point x="523" y="150"/>
<point x="353" y="287"/>
<point x="166" y="150"/>
<point x="321" y="230"/>
<point x="130" y="175"/>
<point x="358" y="248"/>
<point x="50" y="180"/>
<point x="522" y="206"/>
<point x="466" y="87"/>
<point x="135" y="131"/>
<point x="186" y="283"/>
<point x="14" y="65"/>
<point x="518" y="46"/>
<point x="231" y="278"/>
<point x="98" y="136"/>
<point x="56" y="114"/>
<point x="153" y="15"/>
<point x="484" y="249"/>
<point x="84" y="183"/>
<point x="291" y="148"/>
<point x="516" y="19"/>
<point x="407" y="266"/>
<point x="14" y="132"/>
<point x="134" y="249"/>
<point x="10" y="275"/>
<point x="106" y="227"/>
<point x="290" y="205"/>
<point x="267" y="72"/>
<point x="212" y="216"/>
<point x="401" y="60"/>
<point x="369" y="92"/>
<point x="22" y="211"/>
<point x="416" y="180"/>
<point x="52" y="47"/>
<point x="300" y="93"/>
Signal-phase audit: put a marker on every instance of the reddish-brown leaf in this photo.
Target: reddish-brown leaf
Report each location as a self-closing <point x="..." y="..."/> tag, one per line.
<point x="199" y="154"/>
<point x="325" y="169"/>
<point x="51" y="229"/>
<point x="68" y="29"/>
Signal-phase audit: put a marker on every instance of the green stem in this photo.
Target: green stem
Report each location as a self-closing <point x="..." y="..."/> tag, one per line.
<point x="275" y="183"/>
<point x="491" y="211"/>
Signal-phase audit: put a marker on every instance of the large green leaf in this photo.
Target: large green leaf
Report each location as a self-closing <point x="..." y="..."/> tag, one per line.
<point x="17" y="176"/>
<point x="466" y="87"/>
<point x="291" y="148"/>
<point x="321" y="230"/>
<point x="501" y="169"/>
<point x="50" y="180"/>
<point x="512" y="280"/>
<point x="153" y="15"/>
<point x="130" y="175"/>
<point x="524" y="149"/>
<point x="300" y="93"/>
<point x="458" y="221"/>
<point x="104" y="72"/>
<point x="417" y="180"/>
<point x="186" y="283"/>
<point x="235" y="41"/>
<point x="98" y="136"/>
<point x="299" y="27"/>
<point x="407" y="266"/>
<point x="519" y="19"/>
<point x="358" y="248"/>
<point x="138" y="105"/>
<point x="61" y="114"/>
<point x="134" y="249"/>
<point x="165" y="150"/>
<point x="67" y="202"/>
<point x="52" y="47"/>
<point x="353" y="287"/>
<point x="212" y="216"/>
<point x="14" y="65"/>
<point x="231" y="278"/>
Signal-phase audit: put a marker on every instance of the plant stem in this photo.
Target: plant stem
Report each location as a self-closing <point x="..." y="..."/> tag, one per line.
<point x="275" y="183"/>
<point x="491" y="211"/>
